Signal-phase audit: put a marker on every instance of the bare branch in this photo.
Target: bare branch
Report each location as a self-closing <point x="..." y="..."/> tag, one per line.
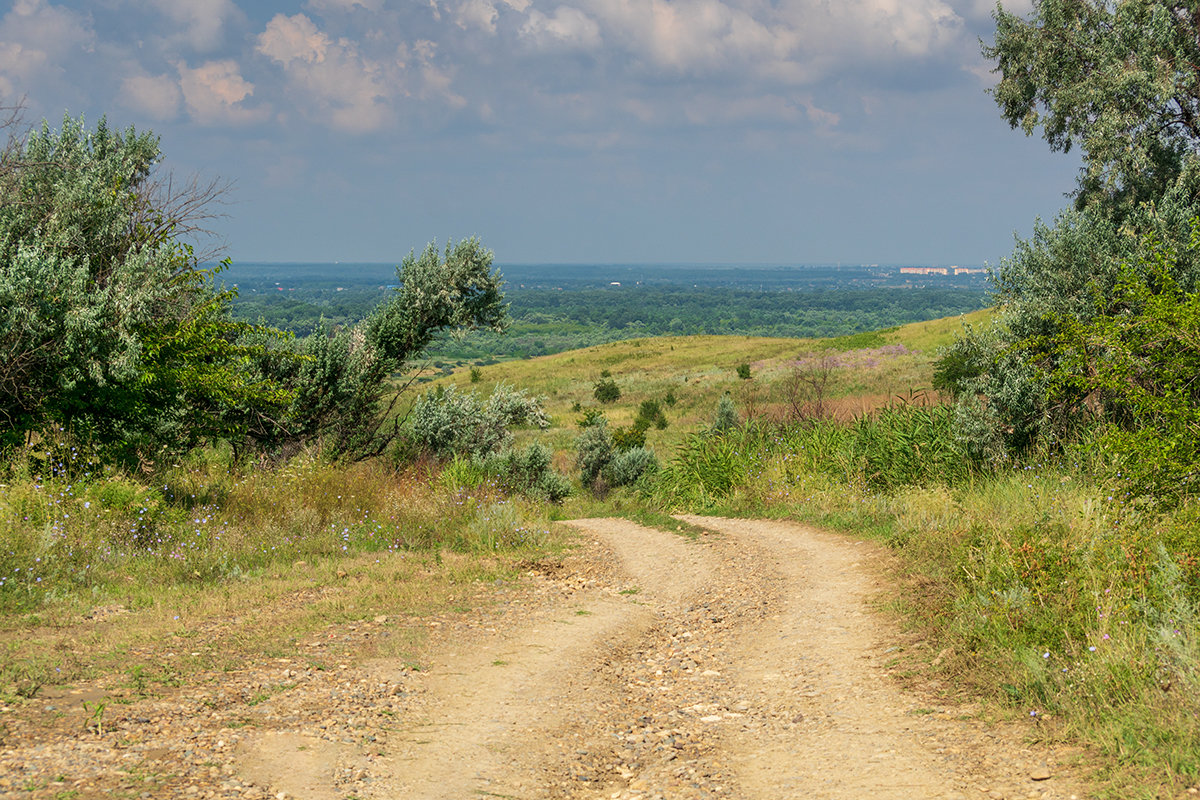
<point x="182" y="210"/>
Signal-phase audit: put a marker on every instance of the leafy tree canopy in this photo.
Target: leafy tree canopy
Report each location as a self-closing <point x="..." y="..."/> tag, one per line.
<point x="114" y="332"/>
<point x="1119" y="79"/>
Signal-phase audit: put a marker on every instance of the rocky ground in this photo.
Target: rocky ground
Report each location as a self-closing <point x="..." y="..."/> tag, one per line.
<point x="745" y="664"/>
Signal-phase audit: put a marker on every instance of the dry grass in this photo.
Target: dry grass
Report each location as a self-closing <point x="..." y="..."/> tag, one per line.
<point x="211" y="568"/>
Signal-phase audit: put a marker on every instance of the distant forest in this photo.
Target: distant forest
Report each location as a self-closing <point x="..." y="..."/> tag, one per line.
<point x="556" y="308"/>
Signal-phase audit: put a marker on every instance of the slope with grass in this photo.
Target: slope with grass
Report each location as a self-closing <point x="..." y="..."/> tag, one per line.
<point x="1035" y="588"/>
<point x="865" y="371"/>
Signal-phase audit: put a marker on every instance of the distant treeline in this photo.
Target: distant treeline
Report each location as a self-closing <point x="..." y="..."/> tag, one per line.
<point x="550" y="320"/>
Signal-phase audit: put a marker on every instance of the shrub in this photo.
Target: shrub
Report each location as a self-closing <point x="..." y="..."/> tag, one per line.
<point x="446" y="421"/>
<point x="606" y="391"/>
<point x="743" y="371"/>
<point x="650" y="413"/>
<point x="629" y="438"/>
<point x="1135" y="370"/>
<point x="726" y="418"/>
<point x="629" y="466"/>
<point x="528" y="472"/>
<point x="593" y="416"/>
<point x="593" y="451"/>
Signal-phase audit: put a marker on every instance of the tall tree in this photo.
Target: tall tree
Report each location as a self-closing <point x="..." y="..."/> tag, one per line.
<point x="115" y="332"/>
<point x="1120" y="81"/>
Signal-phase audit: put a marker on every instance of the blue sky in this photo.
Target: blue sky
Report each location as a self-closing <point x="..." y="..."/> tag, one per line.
<point x="753" y="131"/>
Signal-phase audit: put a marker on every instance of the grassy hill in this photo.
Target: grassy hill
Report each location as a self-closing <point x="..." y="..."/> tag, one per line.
<point x="864" y="371"/>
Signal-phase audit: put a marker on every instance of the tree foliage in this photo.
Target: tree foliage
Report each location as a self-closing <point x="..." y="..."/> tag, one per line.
<point x="115" y="332"/>
<point x="111" y="328"/>
<point x="1136" y="370"/>
<point x="1118" y="81"/>
<point x="448" y="422"/>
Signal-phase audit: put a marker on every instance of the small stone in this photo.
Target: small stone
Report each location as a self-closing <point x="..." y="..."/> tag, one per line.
<point x="382" y="618"/>
<point x="1041" y="773"/>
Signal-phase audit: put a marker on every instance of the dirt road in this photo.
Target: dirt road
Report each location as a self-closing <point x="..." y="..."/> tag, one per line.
<point x="747" y="663"/>
<point x="744" y="665"/>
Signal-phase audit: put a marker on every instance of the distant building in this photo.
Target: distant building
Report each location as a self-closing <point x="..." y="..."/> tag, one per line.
<point x="951" y="270"/>
<point x="615" y="283"/>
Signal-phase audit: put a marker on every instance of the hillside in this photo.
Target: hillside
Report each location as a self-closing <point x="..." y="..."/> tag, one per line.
<point x="864" y="371"/>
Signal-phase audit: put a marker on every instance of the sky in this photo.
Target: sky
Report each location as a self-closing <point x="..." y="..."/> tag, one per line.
<point x="559" y="131"/>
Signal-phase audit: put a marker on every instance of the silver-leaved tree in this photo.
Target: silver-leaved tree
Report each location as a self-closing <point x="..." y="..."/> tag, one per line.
<point x="115" y="335"/>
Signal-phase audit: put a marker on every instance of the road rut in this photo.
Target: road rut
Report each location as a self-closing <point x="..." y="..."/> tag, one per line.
<point x="747" y="663"/>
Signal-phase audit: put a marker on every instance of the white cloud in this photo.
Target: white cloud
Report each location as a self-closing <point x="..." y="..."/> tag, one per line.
<point x="202" y="23"/>
<point x="296" y="38"/>
<point x="792" y="41"/>
<point x="36" y="39"/>
<point x="214" y="91"/>
<point x="350" y="85"/>
<point x="157" y="96"/>
<point x="887" y="30"/>
<point x="348" y="90"/>
<point x="567" y="27"/>
<point x="342" y="6"/>
<point x="476" y="14"/>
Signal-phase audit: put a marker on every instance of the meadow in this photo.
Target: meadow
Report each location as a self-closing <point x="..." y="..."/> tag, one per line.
<point x="1035" y="585"/>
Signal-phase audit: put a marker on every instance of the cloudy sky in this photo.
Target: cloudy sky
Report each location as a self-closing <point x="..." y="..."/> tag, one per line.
<point x="752" y="131"/>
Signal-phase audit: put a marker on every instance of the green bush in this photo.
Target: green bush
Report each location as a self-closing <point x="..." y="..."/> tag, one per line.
<point x="592" y="416"/>
<point x="629" y="466"/>
<point x="528" y="472"/>
<point x="726" y="418"/>
<point x="629" y="438"/>
<point x="649" y="414"/>
<point x="448" y="422"/>
<point x="1134" y="370"/>
<point x="606" y="391"/>
<point x="743" y="371"/>
<point x="593" y="451"/>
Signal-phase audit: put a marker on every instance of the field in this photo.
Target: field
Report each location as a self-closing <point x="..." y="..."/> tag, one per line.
<point x="1031" y="587"/>
<point x="864" y="371"/>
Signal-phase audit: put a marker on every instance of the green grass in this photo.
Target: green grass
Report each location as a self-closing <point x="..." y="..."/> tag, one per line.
<point x="1015" y="571"/>
<point x="1049" y="594"/>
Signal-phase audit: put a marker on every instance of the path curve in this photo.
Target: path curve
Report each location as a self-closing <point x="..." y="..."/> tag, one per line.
<point x="746" y="663"/>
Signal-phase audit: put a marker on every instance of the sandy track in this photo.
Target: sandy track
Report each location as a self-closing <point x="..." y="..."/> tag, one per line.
<point x="745" y="664"/>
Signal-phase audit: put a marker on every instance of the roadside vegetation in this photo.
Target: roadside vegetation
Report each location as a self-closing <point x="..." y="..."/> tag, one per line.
<point x="1033" y="466"/>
